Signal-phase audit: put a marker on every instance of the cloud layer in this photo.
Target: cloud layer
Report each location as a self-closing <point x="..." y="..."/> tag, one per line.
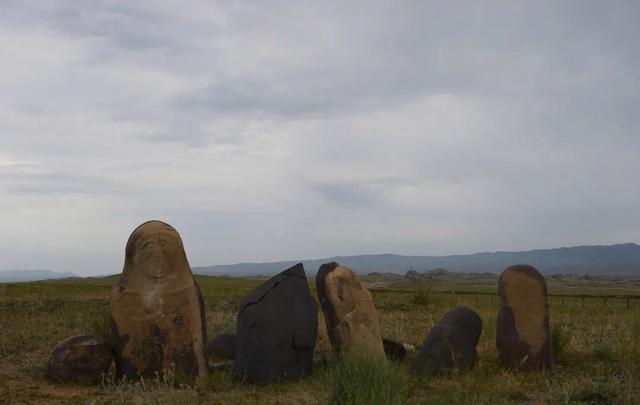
<point x="275" y="130"/>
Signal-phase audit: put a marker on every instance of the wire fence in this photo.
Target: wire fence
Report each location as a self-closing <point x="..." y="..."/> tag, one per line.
<point x="603" y="300"/>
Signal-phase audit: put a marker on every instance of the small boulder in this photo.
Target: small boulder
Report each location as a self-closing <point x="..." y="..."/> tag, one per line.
<point x="81" y="359"/>
<point x="349" y="311"/>
<point x="394" y="350"/>
<point x="451" y="343"/>
<point x="223" y="346"/>
<point x="276" y="330"/>
<point x="523" y="338"/>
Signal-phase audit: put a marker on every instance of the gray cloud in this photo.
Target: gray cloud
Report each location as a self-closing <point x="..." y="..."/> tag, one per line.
<point x="270" y="130"/>
<point x="53" y="183"/>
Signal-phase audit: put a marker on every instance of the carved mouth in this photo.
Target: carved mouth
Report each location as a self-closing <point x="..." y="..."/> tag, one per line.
<point x="157" y="267"/>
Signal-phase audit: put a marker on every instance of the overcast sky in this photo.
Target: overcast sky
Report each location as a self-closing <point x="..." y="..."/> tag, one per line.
<point x="268" y="130"/>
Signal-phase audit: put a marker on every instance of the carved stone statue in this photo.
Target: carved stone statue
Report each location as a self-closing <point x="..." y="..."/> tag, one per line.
<point x="349" y="311"/>
<point x="157" y="311"/>
<point x="523" y="338"/>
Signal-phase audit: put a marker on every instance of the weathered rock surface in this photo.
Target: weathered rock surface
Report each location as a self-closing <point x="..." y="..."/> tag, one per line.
<point x="349" y="311"/>
<point x="523" y="338"/>
<point x="81" y="359"/>
<point x="157" y="309"/>
<point x="394" y="350"/>
<point x="276" y="330"/>
<point x="223" y="346"/>
<point x="451" y="343"/>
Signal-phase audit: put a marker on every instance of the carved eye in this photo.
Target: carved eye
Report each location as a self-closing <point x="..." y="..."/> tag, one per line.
<point x="148" y="245"/>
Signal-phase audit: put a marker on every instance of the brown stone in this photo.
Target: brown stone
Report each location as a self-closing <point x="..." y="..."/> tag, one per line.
<point x="157" y="308"/>
<point x="523" y="338"/>
<point x="82" y="359"/>
<point x="349" y="311"/>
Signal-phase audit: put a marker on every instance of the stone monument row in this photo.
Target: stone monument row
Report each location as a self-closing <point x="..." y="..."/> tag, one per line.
<point x="158" y="323"/>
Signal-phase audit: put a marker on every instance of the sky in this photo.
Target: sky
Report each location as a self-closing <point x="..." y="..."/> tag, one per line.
<point x="276" y="130"/>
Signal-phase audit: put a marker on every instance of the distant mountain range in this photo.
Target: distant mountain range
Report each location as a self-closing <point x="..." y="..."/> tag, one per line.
<point x="14" y="276"/>
<point x="621" y="259"/>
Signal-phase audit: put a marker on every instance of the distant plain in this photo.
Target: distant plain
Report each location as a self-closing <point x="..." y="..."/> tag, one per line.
<point x="595" y="322"/>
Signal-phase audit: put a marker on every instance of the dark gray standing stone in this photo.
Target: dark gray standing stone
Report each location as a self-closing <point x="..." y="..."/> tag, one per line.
<point x="223" y="346"/>
<point x="394" y="350"/>
<point x="451" y="343"/>
<point x="81" y="359"/>
<point x="276" y="330"/>
<point x="523" y="338"/>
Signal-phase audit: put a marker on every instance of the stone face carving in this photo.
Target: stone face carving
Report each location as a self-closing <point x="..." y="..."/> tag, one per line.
<point x="451" y="343"/>
<point x="156" y="308"/>
<point x="82" y="359"/>
<point x="522" y="336"/>
<point x="276" y="330"/>
<point x="349" y="311"/>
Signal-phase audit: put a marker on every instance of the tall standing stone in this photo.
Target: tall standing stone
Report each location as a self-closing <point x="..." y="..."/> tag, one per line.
<point x="451" y="343"/>
<point x="523" y="338"/>
<point x="349" y="311"/>
<point x="276" y="330"/>
<point x="157" y="308"/>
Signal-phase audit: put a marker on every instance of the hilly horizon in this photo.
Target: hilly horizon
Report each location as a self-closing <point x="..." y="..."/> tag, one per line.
<point x="617" y="259"/>
<point x="16" y="276"/>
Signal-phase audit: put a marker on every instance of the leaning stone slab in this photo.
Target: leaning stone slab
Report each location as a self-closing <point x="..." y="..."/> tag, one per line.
<point x="157" y="309"/>
<point x="349" y="311"/>
<point x="522" y="334"/>
<point x="276" y="330"/>
<point x="81" y="359"/>
<point x="451" y="343"/>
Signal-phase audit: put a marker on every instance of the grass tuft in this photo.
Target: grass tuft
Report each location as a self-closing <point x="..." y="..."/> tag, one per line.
<point x="101" y="326"/>
<point x="560" y="338"/>
<point x="421" y="295"/>
<point x="356" y="380"/>
<point x="603" y="351"/>
<point x="600" y="393"/>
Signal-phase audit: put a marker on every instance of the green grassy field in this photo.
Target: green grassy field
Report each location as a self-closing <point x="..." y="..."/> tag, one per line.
<point x="597" y="342"/>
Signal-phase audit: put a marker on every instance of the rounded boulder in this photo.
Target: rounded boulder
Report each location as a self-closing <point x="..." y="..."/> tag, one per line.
<point x="81" y="359"/>
<point x="451" y="343"/>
